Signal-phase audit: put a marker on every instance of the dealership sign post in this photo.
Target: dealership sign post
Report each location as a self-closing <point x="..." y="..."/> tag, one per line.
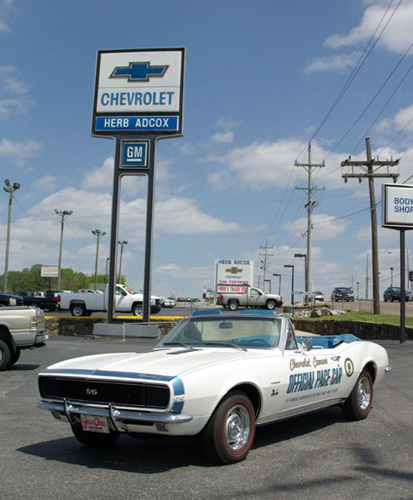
<point x="138" y="100"/>
<point x="397" y="213"/>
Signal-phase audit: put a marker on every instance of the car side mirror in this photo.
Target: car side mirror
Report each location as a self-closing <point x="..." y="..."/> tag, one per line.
<point x="307" y="345"/>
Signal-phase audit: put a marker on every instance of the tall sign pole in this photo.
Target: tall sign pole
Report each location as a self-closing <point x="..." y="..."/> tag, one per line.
<point x="138" y="100"/>
<point x="397" y="213"/>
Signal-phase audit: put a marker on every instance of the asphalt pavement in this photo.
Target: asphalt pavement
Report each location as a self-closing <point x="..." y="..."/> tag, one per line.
<point x="313" y="457"/>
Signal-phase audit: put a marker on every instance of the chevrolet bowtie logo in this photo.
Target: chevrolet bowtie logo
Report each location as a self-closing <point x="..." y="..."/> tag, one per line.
<point x="138" y="72"/>
<point x="233" y="270"/>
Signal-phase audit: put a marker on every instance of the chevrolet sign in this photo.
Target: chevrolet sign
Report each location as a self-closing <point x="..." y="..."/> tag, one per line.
<point x="135" y="85"/>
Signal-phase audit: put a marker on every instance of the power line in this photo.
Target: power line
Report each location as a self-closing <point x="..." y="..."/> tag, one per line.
<point x="361" y="61"/>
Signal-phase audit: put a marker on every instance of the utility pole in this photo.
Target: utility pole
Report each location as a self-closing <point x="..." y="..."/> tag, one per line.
<point x="9" y="189"/>
<point x="264" y="262"/>
<point x="122" y="244"/>
<point x="62" y="214"/>
<point x="310" y="205"/>
<point x="369" y="170"/>
<point x="98" y="233"/>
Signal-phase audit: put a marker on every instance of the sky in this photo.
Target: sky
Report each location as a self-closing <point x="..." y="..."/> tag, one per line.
<point x="263" y="78"/>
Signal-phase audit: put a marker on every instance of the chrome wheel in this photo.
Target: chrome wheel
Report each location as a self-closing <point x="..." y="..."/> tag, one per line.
<point x="237" y="428"/>
<point x="364" y="393"/>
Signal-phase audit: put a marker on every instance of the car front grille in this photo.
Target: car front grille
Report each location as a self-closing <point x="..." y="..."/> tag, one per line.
<point x="143" y="395"/>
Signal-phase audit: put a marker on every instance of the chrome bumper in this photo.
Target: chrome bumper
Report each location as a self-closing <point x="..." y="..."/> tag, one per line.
<point x="119" y="416"/>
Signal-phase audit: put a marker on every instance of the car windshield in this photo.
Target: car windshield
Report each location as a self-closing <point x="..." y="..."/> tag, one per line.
<point x="216" y="332"/>
<point x="344" y="290"/>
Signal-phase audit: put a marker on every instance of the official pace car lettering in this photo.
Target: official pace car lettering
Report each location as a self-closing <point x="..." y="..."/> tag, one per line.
<point x="314" y="379"/>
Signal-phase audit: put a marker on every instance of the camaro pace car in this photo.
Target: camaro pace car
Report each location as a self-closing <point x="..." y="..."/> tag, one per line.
<point x="216" y="376"/>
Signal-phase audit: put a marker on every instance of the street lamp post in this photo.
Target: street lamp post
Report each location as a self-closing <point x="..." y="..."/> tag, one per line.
<point x="391" y="276"/>
<point x="292" y="284"/>
<point x="122" y="244"/>
<point x="279" y="283"/>
<point x="307" y="285"/>
<point x="62" y="214"/>
<point x="9" y="189"/>
<point x="98" y="233"/>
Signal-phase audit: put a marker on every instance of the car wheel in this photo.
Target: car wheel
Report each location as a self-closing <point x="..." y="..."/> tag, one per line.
<point x="229" y="434"/>
<point x="358" y="404"/>
<point x="78" y="310"/>
<point x="14" y="356"/>
<point x="233" y="305"/>
<point x="93" y="438"/>
<point x="5" y="355"/>
<point x="137" y="310"/>
<point x="271" y="305"/>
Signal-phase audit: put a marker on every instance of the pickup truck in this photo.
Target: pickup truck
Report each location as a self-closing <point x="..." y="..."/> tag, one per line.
<point x="84" y="304"/>
<point x="249" y="297"/>
<point x="21" y="327"/>
<point x="47" y="302"/>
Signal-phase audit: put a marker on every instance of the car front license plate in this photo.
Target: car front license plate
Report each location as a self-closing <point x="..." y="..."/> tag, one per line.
<point x="91" y="423"/>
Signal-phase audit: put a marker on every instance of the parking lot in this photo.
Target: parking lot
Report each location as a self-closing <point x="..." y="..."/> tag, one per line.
<point x="317" y="456"/>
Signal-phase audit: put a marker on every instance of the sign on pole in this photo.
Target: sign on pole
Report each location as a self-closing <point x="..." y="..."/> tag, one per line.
<point x="397" y="213"/>
<point x="138" y="99"/>
<point x="139" y="92"/>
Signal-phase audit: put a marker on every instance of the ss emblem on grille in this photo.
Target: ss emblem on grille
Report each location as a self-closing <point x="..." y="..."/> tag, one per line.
<point x="92" y="392"/>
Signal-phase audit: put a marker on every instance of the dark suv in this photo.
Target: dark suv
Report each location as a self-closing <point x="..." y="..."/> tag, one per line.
<point x="392" y="293"/>
<point x="342" y="293"/>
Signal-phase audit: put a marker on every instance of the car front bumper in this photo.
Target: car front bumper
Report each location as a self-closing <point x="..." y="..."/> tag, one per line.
<point x="121" y="417"/>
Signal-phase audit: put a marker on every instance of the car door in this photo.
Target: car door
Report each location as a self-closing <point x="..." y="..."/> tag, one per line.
<point x="309" y="378"/>
<point x="254" y="297"/>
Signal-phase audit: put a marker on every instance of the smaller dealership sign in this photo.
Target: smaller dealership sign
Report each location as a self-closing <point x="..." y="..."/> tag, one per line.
<point x="397" y="206"/>
<point x="49" y="271"/>
<point x="139" y="92"/>
<point x="233" y="275"/>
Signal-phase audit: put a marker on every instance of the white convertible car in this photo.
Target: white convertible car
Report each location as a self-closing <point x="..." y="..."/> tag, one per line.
<point x="217" y="376"/>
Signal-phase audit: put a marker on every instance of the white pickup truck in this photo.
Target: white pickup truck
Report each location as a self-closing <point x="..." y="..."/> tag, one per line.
<point x="84" y="304"/>
<point x="21" y="327"/>
<point x="248" y="297"/>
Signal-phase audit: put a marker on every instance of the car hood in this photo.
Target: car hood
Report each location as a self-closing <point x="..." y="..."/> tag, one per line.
<point x="158" y="363"/>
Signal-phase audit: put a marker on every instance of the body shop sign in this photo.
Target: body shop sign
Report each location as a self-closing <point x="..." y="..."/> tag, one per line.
<point x="397" y="203"/>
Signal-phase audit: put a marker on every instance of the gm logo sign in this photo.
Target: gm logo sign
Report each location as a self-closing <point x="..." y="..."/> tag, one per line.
<point x="135" y="154"/>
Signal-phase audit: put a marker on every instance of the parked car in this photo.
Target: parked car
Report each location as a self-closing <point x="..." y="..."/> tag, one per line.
<point x="342" y="293"/>
<point x="6" y="299"/>
<point x="393" y="293"/>
<point x="318" y="296"/>
<point x="46" y="301"/>
<point x="167" y="301"/>
<point x="216" y="377"/>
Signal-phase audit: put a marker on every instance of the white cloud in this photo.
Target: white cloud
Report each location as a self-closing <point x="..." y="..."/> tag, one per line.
<point x="395" y="38"/>
<point x="227" y="123"/>
<point x="9" y="84"/>
<point x="325" y="227"/>
<point x="404" y="118"/>
<point x="223" y="138"/>
<point x="19" y="151"/>
<point x="340" y="63"/>
<point x="5" y="7"/>
<point x="183" y="216"/>
<point x="46" y="183"/>
<point x="15" y="106"/>
<point x="262" y="165"/>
